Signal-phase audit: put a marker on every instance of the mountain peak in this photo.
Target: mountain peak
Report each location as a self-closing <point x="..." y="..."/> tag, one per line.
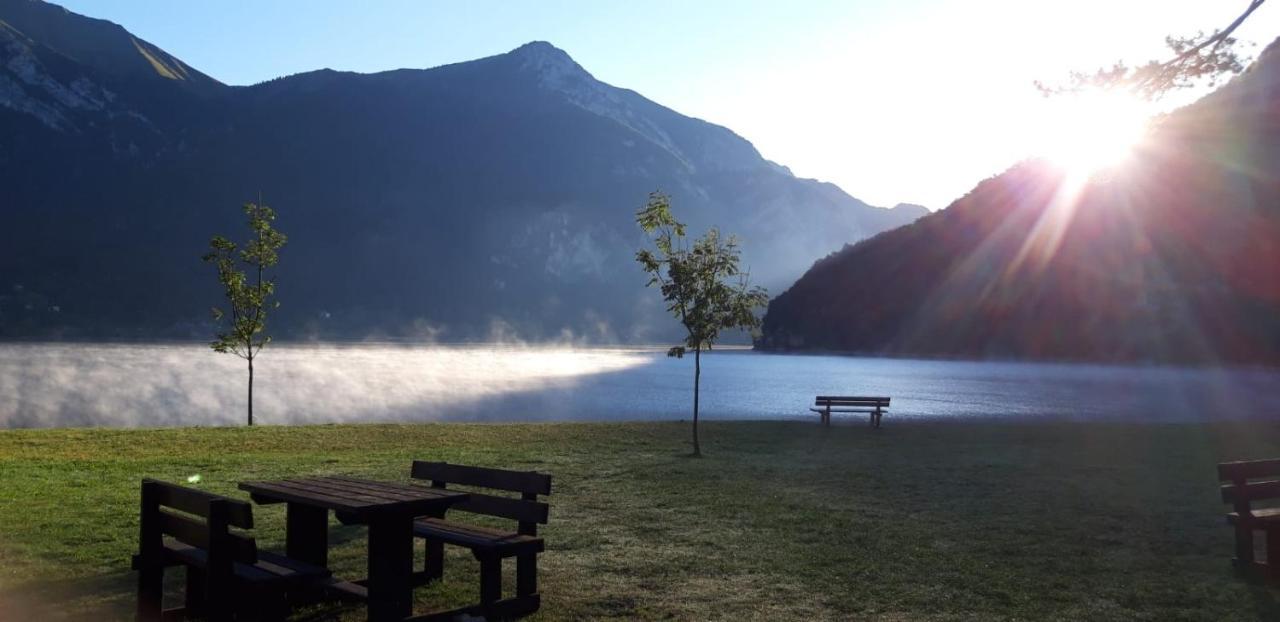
<point x="552" y="64"/>
<point x="541" y="49"/>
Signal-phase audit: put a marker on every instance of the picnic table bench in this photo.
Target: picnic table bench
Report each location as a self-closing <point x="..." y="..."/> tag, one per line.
<point x="227" y="576"/>
<point x="824" y="405"/>
<point x="489" y="546"/>
<point x="1250" y="482"/>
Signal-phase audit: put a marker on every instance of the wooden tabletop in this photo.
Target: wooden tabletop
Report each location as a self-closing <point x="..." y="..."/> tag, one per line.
<point x="353" y="496"/>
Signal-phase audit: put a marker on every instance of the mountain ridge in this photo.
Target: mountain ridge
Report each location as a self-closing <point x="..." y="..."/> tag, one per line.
<point x="1173" y="258"/>
<point x="460" y="198"/>
<point x="101" y="44"/>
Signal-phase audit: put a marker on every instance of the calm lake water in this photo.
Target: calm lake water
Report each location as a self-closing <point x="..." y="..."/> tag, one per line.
<point x="176" y="385"/>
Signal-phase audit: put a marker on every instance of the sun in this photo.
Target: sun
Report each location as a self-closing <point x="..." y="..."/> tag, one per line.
<point x="1089" y="132"/>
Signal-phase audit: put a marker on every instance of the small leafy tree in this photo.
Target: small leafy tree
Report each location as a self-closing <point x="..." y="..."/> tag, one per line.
<point x="249" y="293"/>
<point x="694" y="279"/>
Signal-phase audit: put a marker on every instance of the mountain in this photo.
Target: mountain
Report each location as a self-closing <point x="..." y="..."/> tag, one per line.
<point x="1174" y="257"/>
<point x="482" y="199"/>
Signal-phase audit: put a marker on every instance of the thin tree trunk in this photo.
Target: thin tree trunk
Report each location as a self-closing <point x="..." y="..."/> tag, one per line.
<point x="697" y="379"/>
<point x="251" y="391"/>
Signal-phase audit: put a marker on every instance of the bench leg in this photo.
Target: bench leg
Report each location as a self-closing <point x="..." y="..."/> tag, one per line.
<point x="194" y="600"/>
<point x="1273" y="554"/>
<point x="433" y="564"/>
<point x="527" y="574"/>
<point x="150" y="591"/>
<point x="221" y="600"/>
<point x="264" y="606"/>
<point x="1244" y="543"/>
<point x="490" y="579"/>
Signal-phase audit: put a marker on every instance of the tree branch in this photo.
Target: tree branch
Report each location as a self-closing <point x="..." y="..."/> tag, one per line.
<point x="1218" y="37"/>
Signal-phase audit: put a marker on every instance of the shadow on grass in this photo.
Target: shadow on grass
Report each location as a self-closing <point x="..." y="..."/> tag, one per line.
<point x="99" y="597"/>
<point x="1264" y="602"/>
<point x="112" y="597"/>
<point x="1262" y="595"/>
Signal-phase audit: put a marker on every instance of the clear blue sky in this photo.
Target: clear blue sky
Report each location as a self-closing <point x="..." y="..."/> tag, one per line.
<point x="903" y="100"/>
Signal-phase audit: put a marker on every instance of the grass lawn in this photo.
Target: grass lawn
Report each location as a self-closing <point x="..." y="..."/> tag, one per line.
<point x="919" y="520"/>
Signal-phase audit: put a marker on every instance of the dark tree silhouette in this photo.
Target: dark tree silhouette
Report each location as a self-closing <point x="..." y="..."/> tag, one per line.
<point x="1195" y="58"/>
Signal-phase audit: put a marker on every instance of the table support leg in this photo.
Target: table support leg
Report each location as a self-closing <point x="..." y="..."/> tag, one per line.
<point x="390" y="567"/>
<point x="307" y="534"/>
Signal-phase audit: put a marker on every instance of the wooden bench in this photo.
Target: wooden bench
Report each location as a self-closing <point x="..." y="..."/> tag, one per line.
<point x="1256" y="480"/>
<point x="489" y="546"/>
<point x="227" y="576"/>
<point x="873" y="406"/>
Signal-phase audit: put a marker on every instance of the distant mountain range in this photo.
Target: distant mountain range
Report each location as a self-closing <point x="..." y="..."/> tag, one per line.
<point x="1173" y="258"/>
<point x="487" y="198"/>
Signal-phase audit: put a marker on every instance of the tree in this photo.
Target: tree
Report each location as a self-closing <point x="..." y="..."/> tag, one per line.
<point x="1194" y="58"/>
<point x="693" y="279"/>
<point x="247" y="300"/>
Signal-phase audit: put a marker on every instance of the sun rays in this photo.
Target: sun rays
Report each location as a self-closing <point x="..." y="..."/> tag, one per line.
<point x="1089" y="132"/>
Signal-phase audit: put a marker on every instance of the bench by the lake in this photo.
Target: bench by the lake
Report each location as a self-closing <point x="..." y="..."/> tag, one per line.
<point x="1250" y="482"/>
<point x="874" y="407"/>
<point x="489" y="546"/>
<point x="227" y="576"/>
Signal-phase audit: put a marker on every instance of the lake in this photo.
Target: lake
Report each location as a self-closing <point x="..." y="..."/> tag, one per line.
<point x="125" y="385"/>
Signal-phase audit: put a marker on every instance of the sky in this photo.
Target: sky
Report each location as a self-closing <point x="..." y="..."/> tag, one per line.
<point x="894" y="101"/>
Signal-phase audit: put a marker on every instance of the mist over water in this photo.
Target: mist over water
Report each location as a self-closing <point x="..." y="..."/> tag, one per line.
<point x="177" y="385"/>
<point x="128" y="385"/>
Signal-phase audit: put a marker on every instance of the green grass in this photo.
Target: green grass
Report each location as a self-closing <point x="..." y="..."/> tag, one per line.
<point x="935" y="521"/>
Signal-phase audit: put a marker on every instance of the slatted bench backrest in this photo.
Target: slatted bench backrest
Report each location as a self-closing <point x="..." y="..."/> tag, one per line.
<point x="1242" y="492"/>
<point x="837" y="400"/>
<point x="212" y="534"/>
<point x="526" y="510"/>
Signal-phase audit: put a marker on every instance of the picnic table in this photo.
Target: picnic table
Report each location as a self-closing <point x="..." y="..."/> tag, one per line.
<point x="389" y="510"/>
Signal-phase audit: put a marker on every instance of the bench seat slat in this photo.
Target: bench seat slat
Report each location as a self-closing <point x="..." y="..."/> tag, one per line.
<point x="848" y="410"/>
<point x="270" y="567"/>
<point x="477" y="537"/>
<point x="1264" y="515"/>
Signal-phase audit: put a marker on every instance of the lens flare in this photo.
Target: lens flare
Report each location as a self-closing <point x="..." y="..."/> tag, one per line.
<point x="1092" y="131"/>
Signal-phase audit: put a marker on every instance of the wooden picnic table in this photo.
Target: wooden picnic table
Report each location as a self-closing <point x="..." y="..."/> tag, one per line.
<point x="389" y="510"/>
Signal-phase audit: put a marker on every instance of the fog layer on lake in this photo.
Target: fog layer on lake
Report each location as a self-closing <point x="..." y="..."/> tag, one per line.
<point x="129" y="385"/>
